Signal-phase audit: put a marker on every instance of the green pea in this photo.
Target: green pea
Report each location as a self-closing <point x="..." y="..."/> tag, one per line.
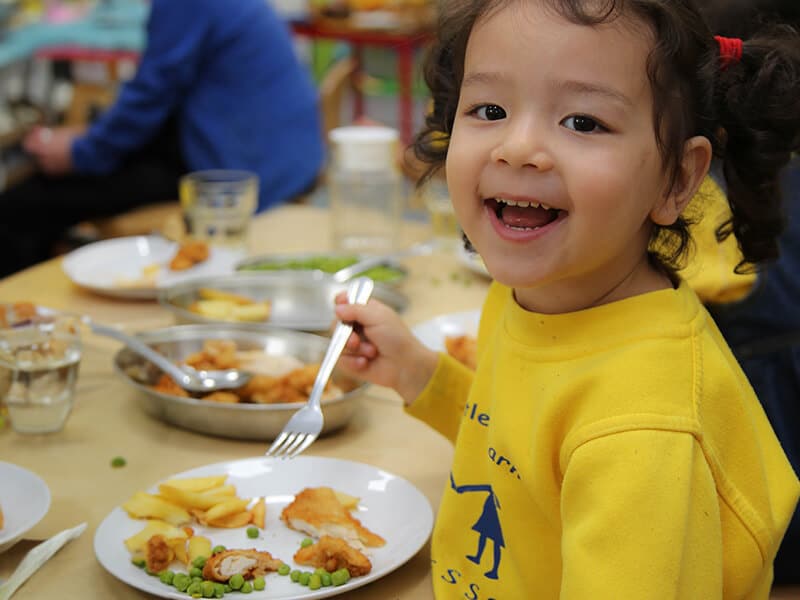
<point x="207" y="588"/>
<point x="197" y="579"/>
<point x="166" y="577"/>
<point x="139" y="562"/>
<point x="194" y="588"/>
<point x="118" y="461"/>
<point x="295" y="575"/>
<point x="326" y="579"/>
<point x="236" y="581"/>
<point x="218" y="549"/>
<point x="259" y="583"/>
<point x="319" y="571"/>
<point x="199" y="562"/>
<point x="252" y="532"/>
<point x="181" y="581"/>
<point x="284" y="569"/>
<point x="340" y="577"/>
<point x="219" y="590"/>
<point x="195" y="572"/>
<point x="304" y="577"/>
<point x="246" y="588"/>
<point x="306" y="542"/>
<point x="228" y="589"/>
<point x="314" y="582"/>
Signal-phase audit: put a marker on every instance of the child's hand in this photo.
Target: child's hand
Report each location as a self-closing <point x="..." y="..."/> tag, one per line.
<point x="383" y="350"/>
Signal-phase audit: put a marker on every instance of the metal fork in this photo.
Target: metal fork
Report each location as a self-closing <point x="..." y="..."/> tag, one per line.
<point x="305" y="425"/>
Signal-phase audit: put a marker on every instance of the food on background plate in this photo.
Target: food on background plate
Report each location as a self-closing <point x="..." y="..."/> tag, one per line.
<point x="326" y="264"/>
<point x="2" y="519"/>
<point x="190" y="253"/>
<point x="464" y="348"/>
<point x="226" y="306"/>
<point x="318" y="512"/>
<point x="290" y="380"/>
<point x="332" y="553"/>
<point x="147" y="278"/>
<point x="17" y="314"/>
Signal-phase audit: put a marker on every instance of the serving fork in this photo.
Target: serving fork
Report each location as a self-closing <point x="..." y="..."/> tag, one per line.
<point x="306" y="424"/>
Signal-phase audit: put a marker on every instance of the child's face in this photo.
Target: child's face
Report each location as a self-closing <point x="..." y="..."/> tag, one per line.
<point x="557" y="114"/>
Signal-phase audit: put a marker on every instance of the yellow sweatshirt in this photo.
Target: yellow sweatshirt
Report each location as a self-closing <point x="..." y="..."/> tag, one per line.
<point x="617" y="452"/>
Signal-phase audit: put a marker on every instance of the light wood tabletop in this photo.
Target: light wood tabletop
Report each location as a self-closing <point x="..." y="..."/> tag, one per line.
<point x="107" y="421"/>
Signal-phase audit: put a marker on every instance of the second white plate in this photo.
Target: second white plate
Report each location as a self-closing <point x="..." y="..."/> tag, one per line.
<point x="105" y="266"/>
<point x="433" y="332"/>
<point x="25" y="500"/>
<point x="389" y="506"/>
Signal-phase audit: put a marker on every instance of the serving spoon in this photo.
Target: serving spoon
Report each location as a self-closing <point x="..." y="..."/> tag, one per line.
<point x="185" y="376"/>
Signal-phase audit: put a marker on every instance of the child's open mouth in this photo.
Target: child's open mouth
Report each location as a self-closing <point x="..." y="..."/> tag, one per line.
<point x="523" y="215"/>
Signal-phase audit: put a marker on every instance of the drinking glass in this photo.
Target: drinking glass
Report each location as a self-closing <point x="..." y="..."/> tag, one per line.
<point x="440" y="212"/>
<point x="218" y="205"/>
<point x="42" y="359"/>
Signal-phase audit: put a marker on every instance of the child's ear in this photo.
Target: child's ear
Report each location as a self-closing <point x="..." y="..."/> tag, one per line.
<point x="693" y="169"/>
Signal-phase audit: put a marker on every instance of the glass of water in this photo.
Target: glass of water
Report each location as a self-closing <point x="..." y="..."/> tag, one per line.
<point x="42" y="359"/>
<point x="218" y="206"/>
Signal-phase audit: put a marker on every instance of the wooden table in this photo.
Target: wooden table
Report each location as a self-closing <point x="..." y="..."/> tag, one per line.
<point x="106" y="421"/>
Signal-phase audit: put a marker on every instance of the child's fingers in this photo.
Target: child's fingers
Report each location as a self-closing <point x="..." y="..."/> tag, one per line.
<point x="353" y="363"/>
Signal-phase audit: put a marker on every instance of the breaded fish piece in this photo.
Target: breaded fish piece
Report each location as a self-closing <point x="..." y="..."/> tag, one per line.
<point x="332" y="554"/>
<point x="317" y="512"/>
<point x="249" y="563"/>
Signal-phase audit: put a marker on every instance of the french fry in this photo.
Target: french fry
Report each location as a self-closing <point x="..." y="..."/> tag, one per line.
<point x="136" y="542"/>
<point x="346" y="500"/>
<point x="197" y="484"/>
<point x="179" y="548"/>
<point x="259" y="513"/>
<point x="148" y="506"/>
<point x="214" y="294"/>
<point x="223" y="490"/>
<point x="233" y="521"/>
<point x="199" y="546"/>
<point x="188" y="499"/>
<point x="226" y="508"/>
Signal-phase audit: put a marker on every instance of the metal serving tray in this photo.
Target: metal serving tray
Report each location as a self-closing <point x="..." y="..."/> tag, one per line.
<point x="301" y="300"/>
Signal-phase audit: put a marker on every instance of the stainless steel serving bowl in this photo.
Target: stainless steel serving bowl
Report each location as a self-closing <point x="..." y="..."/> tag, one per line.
<point x="242" y="421"/>
<point x="301" y="300"/>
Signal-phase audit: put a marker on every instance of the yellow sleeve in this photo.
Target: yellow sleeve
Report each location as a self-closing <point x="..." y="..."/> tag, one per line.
<point x="441" y="403"/>
<point x="640" y="519"/>
<point x="709" y="269"/>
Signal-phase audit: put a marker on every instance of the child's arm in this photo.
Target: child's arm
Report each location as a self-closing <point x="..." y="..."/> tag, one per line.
<point x="641" y="520"/>
<point x="384" y="351"/>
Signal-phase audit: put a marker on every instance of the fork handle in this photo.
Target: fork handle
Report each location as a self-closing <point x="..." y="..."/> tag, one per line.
<point x="358" y="292"/>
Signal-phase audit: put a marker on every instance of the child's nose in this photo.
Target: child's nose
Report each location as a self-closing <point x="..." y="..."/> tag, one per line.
<point x="524" y="146"/>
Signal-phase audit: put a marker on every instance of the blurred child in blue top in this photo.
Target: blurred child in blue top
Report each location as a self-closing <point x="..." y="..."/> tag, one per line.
<point x="218" y="86"/>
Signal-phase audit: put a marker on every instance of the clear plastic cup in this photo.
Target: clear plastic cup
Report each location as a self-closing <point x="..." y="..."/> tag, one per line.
<point x="42" y="360"/>
<point x="218" y="206"/>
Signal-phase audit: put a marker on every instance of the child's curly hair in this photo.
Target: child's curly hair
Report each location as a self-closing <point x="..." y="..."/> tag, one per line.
<point x="750" y="111"/>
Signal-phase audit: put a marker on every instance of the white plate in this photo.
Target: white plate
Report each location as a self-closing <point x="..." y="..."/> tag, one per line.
<point x="432" y="332"/>
<point x="389" y="506"/>
<point x="101" y="266"/>
<point x="472" y="260"/>
<point x="24" y="498"/>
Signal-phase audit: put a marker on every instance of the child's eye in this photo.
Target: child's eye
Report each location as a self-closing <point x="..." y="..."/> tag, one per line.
<point x="489" y="112"/>
<point x="583" y="124"/>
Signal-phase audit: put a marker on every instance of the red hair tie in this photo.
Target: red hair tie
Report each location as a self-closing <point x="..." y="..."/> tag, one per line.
<point x="730" y="50"/>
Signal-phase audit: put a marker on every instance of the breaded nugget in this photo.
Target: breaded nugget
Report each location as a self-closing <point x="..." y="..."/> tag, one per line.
<point x="222" y="397"/>
<point x="248" y="563"/>
<point x="157" y="553"/>
<point x="332" y="554"/>
<point x="318" y="512"/>
<point x="166" y="385"/>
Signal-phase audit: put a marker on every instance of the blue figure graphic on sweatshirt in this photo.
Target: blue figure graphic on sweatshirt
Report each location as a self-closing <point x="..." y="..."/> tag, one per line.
<point x="487" y="525"/>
